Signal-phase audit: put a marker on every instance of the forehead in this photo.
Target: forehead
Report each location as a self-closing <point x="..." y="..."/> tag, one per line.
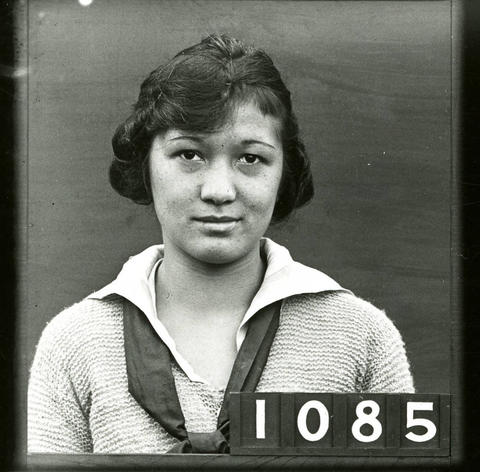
<point x="245" y="122"/>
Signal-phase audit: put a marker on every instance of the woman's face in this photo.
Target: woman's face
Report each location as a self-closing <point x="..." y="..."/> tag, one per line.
<point x="214" y="193"/>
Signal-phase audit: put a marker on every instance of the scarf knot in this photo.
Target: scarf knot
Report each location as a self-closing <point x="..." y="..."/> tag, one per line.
<point x="202" y="443"/>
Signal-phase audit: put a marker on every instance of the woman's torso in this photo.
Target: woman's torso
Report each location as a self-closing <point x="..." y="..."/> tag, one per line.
<point x="326" y="342"/>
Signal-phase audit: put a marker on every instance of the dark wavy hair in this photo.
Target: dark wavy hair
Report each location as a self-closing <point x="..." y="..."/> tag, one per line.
<point x="197" y="91"/>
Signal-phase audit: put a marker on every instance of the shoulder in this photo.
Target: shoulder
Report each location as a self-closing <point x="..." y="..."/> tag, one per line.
<point x="86" y="315"/>
<point x="341" y="309"/>
<point x="79" y="326"/>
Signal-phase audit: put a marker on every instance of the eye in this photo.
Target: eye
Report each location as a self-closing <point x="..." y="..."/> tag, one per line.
<point x="250" y="159"/>
<point x="189" y="155"/>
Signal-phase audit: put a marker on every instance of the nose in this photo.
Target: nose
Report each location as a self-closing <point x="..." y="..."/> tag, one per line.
<point x="218" y="186"/>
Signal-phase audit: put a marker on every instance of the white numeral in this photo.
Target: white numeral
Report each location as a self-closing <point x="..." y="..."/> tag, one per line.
<point x="430" y="427"/>
<point x="302" y="420"/>
<point x="370" y="418"/>
<point x="260" y="419"/>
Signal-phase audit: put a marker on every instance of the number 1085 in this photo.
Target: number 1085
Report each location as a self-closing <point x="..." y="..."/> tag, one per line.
<point x="340" y="424"/>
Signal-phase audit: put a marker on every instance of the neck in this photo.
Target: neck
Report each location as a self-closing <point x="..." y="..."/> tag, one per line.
<point x="212" y="290"/>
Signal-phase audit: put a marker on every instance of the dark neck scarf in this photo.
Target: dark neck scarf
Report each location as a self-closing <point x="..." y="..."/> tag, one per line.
<point x="151" y="382"/>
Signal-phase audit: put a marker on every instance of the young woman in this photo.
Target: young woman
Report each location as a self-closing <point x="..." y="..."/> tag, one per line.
<point x="146" y="364"/>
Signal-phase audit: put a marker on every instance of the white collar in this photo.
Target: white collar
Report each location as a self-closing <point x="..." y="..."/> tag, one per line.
<point x="283" y="278"/>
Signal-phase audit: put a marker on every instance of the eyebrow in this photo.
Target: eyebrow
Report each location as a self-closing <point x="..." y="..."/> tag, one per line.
<point x="256" y="141"/>
<point x="244" y="141"/>
<point x="183" y="136"/>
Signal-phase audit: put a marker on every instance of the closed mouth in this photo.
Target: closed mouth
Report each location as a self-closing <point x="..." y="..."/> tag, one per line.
<point x="216" y="219"/>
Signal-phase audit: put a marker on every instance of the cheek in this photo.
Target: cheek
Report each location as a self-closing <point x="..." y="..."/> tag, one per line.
<point x="263" y="195"/>
<point x="166" y="194"/>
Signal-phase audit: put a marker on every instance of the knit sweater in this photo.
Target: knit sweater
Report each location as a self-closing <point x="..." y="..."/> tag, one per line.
<point x="79" y="401"/>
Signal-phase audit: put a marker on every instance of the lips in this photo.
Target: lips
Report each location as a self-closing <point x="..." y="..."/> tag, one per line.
<point x="217" y="225"/>
<point x="216" y="219"/>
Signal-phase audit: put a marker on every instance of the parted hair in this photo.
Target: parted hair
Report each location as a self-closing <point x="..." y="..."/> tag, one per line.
<point x="197" y="91"/>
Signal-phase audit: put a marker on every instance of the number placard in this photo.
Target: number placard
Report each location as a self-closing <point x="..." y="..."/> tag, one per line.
<point x="340" y="424"/>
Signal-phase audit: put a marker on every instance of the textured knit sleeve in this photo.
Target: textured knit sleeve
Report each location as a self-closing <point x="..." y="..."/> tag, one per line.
<point x="57" y="423"/>
<point x="387" y="368"/>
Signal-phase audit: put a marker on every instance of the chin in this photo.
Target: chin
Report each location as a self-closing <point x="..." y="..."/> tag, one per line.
<point x="220" y="252"/>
